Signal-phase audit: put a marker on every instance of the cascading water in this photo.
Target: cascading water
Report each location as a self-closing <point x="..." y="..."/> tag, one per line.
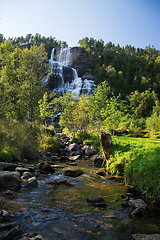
<point x="61" y="67"/>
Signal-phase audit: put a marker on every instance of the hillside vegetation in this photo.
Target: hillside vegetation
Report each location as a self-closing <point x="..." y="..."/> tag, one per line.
<point x="125" y="103"/>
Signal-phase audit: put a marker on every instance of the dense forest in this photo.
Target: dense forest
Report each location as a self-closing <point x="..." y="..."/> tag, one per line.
<point x="126" y="100"/>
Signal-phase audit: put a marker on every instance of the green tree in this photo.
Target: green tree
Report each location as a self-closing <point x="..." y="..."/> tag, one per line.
<point x="66" y="118"/>
<point x="44" y="107"/>
<point x="142" y="103"/>
<point x="21" y="83"/>
<point x="10" y="93"/>
<point x="32" y="71"/>
<point x="97" y="102"/>
<point x="113" y="112"/>
<point x="153" y="122"/>
<point x="81" y="113"/>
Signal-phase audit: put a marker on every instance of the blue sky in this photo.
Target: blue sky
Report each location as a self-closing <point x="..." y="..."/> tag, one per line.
<point x="134" y="22"/>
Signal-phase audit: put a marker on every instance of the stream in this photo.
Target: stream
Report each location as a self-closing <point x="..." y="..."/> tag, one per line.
<point x="62" y="212"/>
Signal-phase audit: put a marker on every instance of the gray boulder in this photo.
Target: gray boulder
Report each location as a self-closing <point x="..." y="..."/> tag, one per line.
<point x="10" y="180"/>
<point x="32" y="183"/>
<point x="5" y="216"/>
<point x="7" y="166"/>
<point x="97" y="159"/>
<point x="73" y="147"/>
<point x="89" y="152"/>
<point x="73" y="173"/>
<point x="33" y="236"/>
<point x="141" y="209"/>
<point x="45" y="167"/>
<point x="26" y="175"/>
<point x="21" y="170"/>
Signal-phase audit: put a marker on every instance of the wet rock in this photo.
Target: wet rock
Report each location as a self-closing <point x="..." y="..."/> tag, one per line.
<point x="31" y="168"/>
<point x="45" y="167"/>
<point x="73" y="147"/>
<point x="97" y="159"/>
<point x="137" y="203"/>
<point x="75" y="153"/>
<point x="7" y="166"/>
<point x="14" y="233"/>
<point x="31" y="236"/>
<point x="9" y="192"/>
<point x="89" y="151"/>
<point x="73" y="173"/>
<point x="57" y="166"/>
<point x="64" y="159"/>
<point x="10" y="180"/>
<point x="5" y="216"/>
<point x="74" y="158"/>
<point x="102" y="205"/>
<point x="125" y="204"/>
<point x="67" y="183"/>
<point x="26" y="175"/>
<point x="132" y="192"/>
<point x="141" y="212"/>
<point x="141" y="208"/>
<point x="54" y="158"/>
<point x="73" y="181"/>
<point x="61" y="181"/>
<point x="101" y="172"/>
<point x="21" y="170"/>
<point x="145" y="237"/>
<point x="96" y="201"/>
<point x="117" y="179"/>
<point x="32" y="183"/>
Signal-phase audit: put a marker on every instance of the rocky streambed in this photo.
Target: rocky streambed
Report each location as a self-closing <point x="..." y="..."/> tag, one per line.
<point x="69" y="196"/>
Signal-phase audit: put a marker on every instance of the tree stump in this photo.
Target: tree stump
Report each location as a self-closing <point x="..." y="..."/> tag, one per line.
<point x="106" y="144"/>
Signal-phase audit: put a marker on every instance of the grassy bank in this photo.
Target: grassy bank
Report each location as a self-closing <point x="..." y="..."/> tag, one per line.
<point x="138" y="160"/>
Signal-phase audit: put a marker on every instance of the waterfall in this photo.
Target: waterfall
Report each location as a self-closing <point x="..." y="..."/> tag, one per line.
<point x="60" y="66"/>
<point x="64" y="56"/>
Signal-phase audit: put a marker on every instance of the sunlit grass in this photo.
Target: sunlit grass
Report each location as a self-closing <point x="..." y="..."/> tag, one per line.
<point x="138" y="159"/>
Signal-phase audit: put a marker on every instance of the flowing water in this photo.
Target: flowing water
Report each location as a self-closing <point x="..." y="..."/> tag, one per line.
<point x="77" y="85"/>
<point x="62" y="212"/>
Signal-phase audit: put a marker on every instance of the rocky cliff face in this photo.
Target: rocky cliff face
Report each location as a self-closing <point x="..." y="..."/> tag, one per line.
<point x="82" y="63"/>
<point x="78" y="60"/>
<point x="71" y="70"/>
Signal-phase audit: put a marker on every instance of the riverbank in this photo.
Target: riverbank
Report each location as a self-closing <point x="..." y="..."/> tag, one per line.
<point x="91" y="204"/>
<point x="137" y="159"/>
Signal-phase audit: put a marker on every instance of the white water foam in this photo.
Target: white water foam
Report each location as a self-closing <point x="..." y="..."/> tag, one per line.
<point x="77" y="85"/>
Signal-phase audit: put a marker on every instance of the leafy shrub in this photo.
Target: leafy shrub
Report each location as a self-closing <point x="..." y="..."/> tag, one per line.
<point x="47" y="143"/>
<point x="93" y="141"/>
<point x="50" y="131"/>
<point x="80" y="136"/>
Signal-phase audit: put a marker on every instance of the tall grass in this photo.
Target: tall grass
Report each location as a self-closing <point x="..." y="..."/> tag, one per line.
<point x="17" y="141"/>
<point x="139" y="161"/>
